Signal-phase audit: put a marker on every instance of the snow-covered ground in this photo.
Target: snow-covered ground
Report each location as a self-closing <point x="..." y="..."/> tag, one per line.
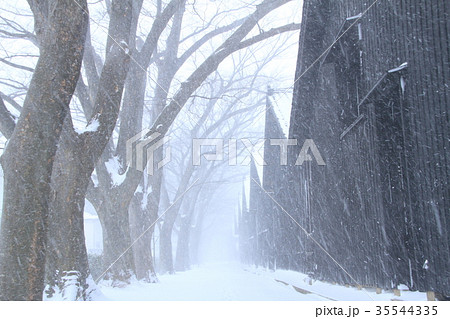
<point x="235" y="282"/>
<point x="213" y="282"/>
<point x="328" y="291"/>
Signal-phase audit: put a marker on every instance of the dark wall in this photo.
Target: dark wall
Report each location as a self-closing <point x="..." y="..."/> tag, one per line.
<point x="380" y="206"/>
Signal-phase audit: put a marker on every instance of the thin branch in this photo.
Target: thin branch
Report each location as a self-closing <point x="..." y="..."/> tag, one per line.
<point x="7" y="120"/>
<point x="11" y="101"/>
<point x="15" y="65"/>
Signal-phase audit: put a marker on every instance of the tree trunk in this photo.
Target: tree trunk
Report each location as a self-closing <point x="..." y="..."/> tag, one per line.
<point x="202" y="206"/>
<point x="28" y="159"/>
<point x="182" y="261"/>
<point x="67" y="264"/>
<point x="196" y="238"/>
<point x="182" y="257"/>
<point x="141" y="220"/>
<point x="131" y="120"/>
<point x="165" y="241"/>
<point x="77" y="156"/>
<point x="117" y="252"/>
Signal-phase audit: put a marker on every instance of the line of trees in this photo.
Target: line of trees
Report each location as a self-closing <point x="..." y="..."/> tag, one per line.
<point x="51" y="167"/>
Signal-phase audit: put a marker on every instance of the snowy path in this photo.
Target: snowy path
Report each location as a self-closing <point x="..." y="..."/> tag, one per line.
<point x="215" y="282"/>
<point x="233" y="282"/>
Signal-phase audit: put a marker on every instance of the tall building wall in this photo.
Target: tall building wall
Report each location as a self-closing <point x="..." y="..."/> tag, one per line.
<point x="376" y="104"/>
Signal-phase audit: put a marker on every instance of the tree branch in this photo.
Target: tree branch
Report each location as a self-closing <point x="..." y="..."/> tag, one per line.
<point x="158" y="27"/>
<point x="268" y="34"/>
<point x="232" y="44"/>
<point x="112" y="78"/>
<point x="18" y="66"/>
<point x="7" y="123"/>
<point x="11" y="101"/>
<point x="205" y="39"/>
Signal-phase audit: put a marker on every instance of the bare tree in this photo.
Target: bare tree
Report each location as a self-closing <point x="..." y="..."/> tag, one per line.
<point x="28" y="158"/>
<point x="108" y="195"/>
<point x="75" y="161"/>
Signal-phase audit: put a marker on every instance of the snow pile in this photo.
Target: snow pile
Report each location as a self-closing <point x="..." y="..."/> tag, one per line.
<point x="92" y="127"/>
<point x="402" y="66"/>
<point x="72" y="291"/>
<point x="114" y="168"/>
<point x="337" y="292"/>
